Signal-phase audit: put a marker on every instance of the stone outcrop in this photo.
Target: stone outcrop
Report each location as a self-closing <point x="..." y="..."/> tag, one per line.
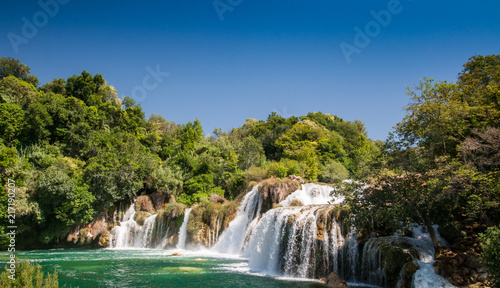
<point x="333" y="280"/>
<point x="275" y="190"/>
<point x="459" y="263"/>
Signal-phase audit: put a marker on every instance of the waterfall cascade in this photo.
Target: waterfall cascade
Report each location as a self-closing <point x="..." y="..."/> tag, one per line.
<point x="183" y="231"/>
<point x="129" y="234"/>
<point x="312" y="241"/>
<point x="231" y="241"/>
<point x="305" y="236"/>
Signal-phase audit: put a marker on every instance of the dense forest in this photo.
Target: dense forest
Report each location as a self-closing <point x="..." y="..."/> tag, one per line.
<point x="74" y="149"/>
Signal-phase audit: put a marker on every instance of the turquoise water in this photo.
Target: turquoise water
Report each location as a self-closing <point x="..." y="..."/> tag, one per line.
<point x="151" y="268"/>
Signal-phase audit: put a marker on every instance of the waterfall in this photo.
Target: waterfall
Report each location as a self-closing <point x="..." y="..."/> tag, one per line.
<point x="426" y="277"/>
<point x="183" y="230"/>
<point x="163" y="241"/>
<point x="123" y="235"/>
<point x="217" y="234"/>
<point x="312" y="194"/>
<point x="209" y="237"/>
<point x="146" y="233"/>
<point x="232" y="238"/>
<point x="300" y="242"/>
<point x="129" y="234"/>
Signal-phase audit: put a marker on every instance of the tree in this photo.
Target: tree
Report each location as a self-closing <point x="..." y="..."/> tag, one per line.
<point x="63" y="201"/>
<point x="56" y="86"/>
<point x="13" y="67"/>
<point x="85" y="87"/>
<point x="11" y="123"/>
<point x="16" y="91"/>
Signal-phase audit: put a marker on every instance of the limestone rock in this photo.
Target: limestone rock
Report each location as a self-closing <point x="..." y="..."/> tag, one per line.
<point x="333" y="280"/>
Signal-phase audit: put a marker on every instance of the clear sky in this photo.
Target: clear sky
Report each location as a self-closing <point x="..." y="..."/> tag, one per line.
<point x="228" y="60"/>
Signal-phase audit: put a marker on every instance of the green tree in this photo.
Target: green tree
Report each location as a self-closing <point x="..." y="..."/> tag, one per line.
<point x="13" y="67"/>
<point x="17" y="91"/>
<point x="11" y="123"/>
<point x="85" y="87"/>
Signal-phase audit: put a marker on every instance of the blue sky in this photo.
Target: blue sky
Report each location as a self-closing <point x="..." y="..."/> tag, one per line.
<point x="263" y="56"/>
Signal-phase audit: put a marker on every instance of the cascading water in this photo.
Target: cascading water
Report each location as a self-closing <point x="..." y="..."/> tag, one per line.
<point x="232" y="239"/>
<point x="300" y="242"/>
<point x="426" y="276"/>
<point x="129" y="234"/>
<point x="123" y="236"/>
<point x="312" y="194"/>
<point x="183" y="231"/>
<point x="373" y="266"/>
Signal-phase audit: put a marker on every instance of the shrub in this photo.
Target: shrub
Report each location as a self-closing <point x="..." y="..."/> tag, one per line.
<point x="333" y="172"/>
<point x="28" y="276"/>
<point x="255" y="174"/>
<point x="490" y="243"/>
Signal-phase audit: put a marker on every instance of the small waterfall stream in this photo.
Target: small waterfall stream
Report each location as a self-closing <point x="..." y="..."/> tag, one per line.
<point x="183" y="230"/>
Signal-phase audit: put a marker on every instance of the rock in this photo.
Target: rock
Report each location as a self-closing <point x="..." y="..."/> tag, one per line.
<point x="472" y="262"/>
<point x="217" y="198"/>
<point x="143" y="203"/>
<point x="141" y="216"/>
<point x="200" y="259"/>
<point x="457" y="279"/>
<point x="407" y="276"/>
<point x="333" y="280"/>
<point x="394" y="259"/>
<point x="176" y="254"/>
<point x="483" y="277"/>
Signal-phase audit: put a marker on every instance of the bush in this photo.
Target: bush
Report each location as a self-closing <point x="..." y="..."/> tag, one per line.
<point x="277" y="169"/>
<point x="28" y="276"/>
<point x="333" y="172"/>
<point x="490" y="243"/>
<point x="255" y="174"/>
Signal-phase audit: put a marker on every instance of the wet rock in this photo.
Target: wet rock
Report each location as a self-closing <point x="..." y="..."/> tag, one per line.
<point x="334" y="280"/>
<point x="275" y="190"/>
<point x="409" y="270"/>
<point x="394" y="260"/>
<point x="140" y="217"/>
<point x="176" y="254"/>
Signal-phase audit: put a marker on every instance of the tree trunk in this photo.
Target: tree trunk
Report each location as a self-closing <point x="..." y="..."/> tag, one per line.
<point x="434" y="239"/>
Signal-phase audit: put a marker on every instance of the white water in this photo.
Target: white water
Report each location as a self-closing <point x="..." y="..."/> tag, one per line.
<point x="129" y="234"/>
<point x="123" y="235"/>
<point x="426" y="276"/>
<point x="312" y="194"/>
<point x="232" y="239"/>
<point x="183" y="230"/>
<point x="286" y="241"/>
<point x="163" y="242"/>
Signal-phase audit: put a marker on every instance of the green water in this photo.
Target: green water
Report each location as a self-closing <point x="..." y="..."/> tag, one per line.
<point x="150" y="268"/>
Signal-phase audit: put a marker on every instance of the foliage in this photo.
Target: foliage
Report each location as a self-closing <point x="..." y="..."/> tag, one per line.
<point x="13" y="67"/>
<point x="28" y="276"/>
<point x="76" y="149"/>
<point x="490" y="243"/>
